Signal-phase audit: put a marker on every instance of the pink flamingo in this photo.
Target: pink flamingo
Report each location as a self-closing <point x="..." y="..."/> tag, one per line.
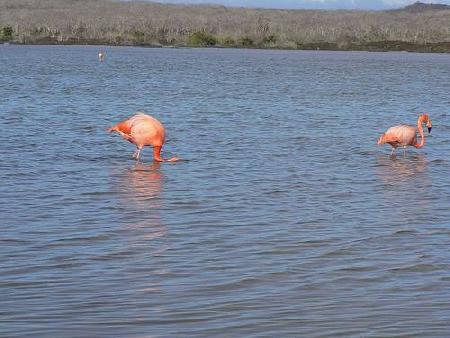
<point x="405" y="135"/>
<point x="143" y="130"/>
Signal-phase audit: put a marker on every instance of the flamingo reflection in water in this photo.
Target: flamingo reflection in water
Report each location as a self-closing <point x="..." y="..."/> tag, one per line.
<point x="404" y="184"/>
<point x="146" y="182"/>
<point x="141" y="192"/>
<point x="396" y="170"/>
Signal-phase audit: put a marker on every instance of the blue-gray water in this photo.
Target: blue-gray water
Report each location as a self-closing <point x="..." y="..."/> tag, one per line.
<point x="286" y="219"/>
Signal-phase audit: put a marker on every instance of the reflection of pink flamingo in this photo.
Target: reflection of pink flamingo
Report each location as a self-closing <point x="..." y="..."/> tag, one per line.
<point x="398" y="171"/>
<point x="140" y="190"/>
<point x="405" y="135"/>
<point x="146" y="183"/>
<point x="143" y="130"/>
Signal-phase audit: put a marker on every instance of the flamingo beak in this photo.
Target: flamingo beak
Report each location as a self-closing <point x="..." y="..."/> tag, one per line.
<point x="429" y="130"/>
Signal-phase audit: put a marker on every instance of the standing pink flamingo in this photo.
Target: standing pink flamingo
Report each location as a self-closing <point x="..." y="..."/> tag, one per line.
<point x="405" y="135"/>
<point x="143" y="130"/>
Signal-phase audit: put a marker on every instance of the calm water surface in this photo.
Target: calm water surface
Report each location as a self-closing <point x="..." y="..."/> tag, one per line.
<point x="285" y="219"/>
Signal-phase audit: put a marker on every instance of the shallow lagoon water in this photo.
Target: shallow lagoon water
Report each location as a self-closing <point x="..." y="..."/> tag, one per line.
<point x="285" y="219"/>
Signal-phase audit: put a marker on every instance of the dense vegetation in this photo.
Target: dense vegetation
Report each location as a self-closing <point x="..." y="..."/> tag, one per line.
<point x="418" y="27"/>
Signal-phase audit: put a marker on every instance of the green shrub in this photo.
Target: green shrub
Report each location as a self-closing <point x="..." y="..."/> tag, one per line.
<point x="118" y="40"/>
<point x="201" y="38"/>
<point x="245" y="41"/>
<point x="228" y="41"/>
<point x="269" y="39"/>
<point x="6" y="33"/>
<point x="138" y="34"/>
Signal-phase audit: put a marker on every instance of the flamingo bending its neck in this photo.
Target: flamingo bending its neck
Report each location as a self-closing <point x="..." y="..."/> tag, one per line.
<point x="143" y="130"/>
<point x="405" y="135"/>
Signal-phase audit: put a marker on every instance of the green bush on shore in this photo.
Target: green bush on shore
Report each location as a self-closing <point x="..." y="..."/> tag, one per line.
<point x="201" y="39"/>
<point x="269" y="39"/>
<point x="245" y="41"/>
<point x="6" y="33"/>
<point x="228" y="41"/>
<point x="138" y="35"/>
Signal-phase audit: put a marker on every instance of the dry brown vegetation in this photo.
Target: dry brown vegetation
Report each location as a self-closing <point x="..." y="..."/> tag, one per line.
<point x="153" y="24"/>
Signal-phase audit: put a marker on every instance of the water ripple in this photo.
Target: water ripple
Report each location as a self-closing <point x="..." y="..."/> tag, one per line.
<point x="285" y="219"/>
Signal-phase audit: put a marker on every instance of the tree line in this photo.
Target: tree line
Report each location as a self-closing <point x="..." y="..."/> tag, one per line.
<point x="153" y="24"/>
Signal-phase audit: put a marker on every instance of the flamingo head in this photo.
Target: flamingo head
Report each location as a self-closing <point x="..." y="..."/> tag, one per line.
<point x="426" y="119"/>
<point x="429" y="126"/>
<point x="382" y="139"/>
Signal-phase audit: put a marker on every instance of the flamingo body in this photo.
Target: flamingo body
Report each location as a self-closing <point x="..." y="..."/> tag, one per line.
<point x="402" y="135"/>
<point x="143" y="130"/>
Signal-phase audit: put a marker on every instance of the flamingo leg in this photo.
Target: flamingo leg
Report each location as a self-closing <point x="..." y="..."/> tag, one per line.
<point x="157" y="154"/>
<point x="137" y="153"/>
<point x="404" y="150"/>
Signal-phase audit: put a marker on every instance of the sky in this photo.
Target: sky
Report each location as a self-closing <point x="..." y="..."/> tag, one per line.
<point x="310" y="4"/>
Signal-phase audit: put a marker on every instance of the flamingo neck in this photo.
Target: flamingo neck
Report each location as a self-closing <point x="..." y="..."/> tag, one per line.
<point x="420" y="129"/>
<point x="123" y="127"/>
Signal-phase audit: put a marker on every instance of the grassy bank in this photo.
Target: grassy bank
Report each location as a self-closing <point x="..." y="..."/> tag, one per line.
<point x="422" y="28"/>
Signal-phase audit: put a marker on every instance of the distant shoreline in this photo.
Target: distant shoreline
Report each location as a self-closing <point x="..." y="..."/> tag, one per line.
<point x="382" y="46"/>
